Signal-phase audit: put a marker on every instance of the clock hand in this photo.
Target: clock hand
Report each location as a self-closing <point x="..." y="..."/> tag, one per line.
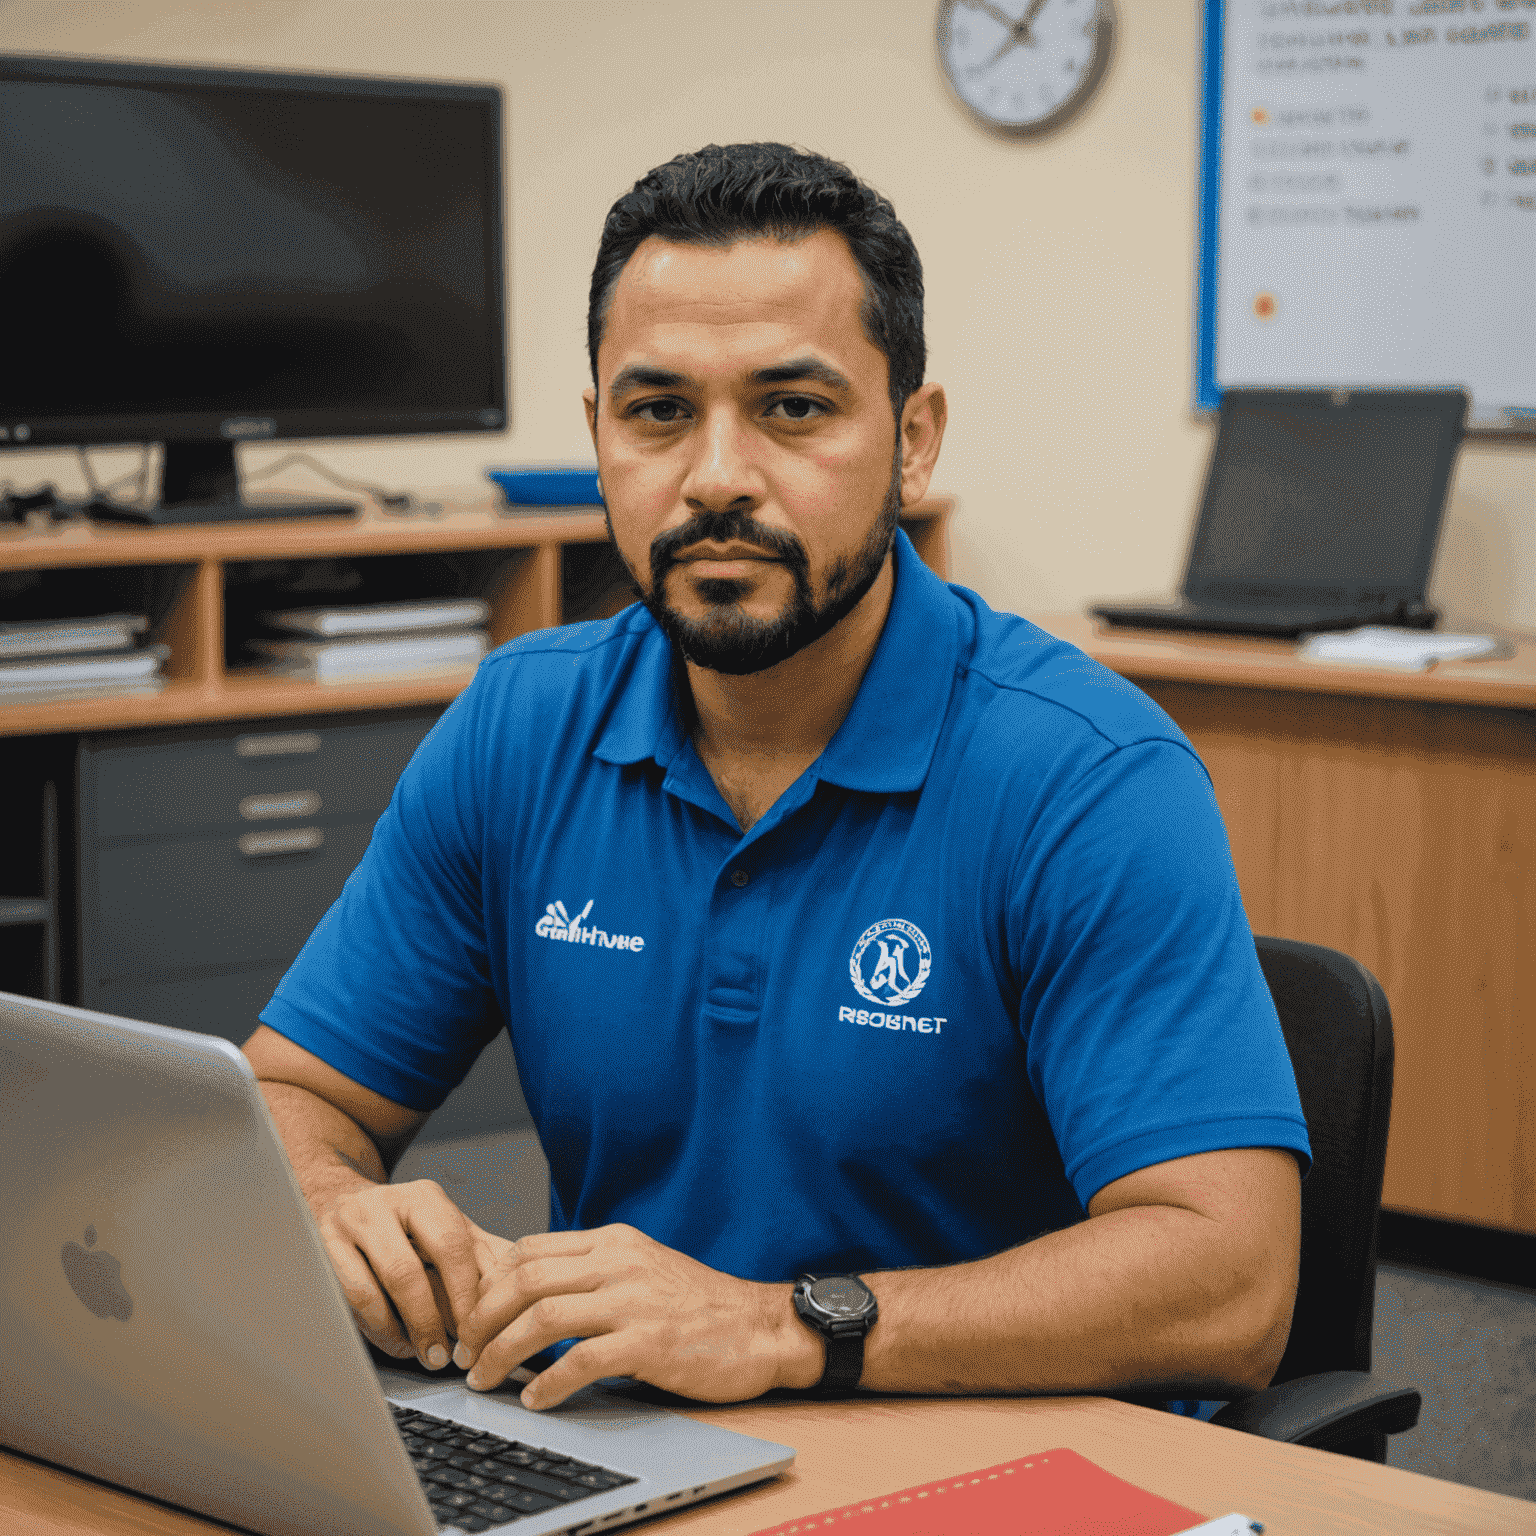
<point x="996" y="12"/>
<point x="1021" y="26"/>
<point x="1018" y="32"/>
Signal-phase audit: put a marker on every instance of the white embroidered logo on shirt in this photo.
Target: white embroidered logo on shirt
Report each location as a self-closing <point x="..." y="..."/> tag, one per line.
<point x="897" y="945"/>
<point x="557" y="923"/>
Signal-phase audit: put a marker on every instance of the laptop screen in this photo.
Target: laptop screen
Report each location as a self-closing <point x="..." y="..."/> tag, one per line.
<point x="1309" y="496"/>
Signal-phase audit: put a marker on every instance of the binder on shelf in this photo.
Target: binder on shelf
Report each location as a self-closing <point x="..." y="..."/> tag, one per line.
<point x="379" y="618"/>
<point x="373" y="659"/>
<point x="63" y="637"/>
<point x="128" y="671"/>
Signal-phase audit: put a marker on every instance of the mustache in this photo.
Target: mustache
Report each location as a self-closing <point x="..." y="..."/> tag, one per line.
<point x="729" y="527"/>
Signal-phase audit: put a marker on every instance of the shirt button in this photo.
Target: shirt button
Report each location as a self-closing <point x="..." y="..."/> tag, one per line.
<point x="739" y="878"/>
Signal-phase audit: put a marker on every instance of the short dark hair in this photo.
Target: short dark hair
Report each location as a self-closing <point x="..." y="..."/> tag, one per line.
<point x="720" y="194"/>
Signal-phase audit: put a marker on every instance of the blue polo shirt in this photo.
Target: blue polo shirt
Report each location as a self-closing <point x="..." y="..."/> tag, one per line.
<point x="984" y="957"/>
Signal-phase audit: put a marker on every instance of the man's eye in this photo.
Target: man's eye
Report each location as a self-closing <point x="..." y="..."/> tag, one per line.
<point x="660" y="410"/>
<point x="797" y="408"/>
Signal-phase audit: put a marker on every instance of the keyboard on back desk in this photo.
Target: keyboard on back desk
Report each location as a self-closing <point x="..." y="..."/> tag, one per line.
<point x="475" y="1480"/>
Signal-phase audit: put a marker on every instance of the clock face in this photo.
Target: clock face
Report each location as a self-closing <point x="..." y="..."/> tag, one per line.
<point x="1025" y="66"/>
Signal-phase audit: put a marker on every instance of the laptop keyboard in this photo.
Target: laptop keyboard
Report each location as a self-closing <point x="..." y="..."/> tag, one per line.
<point x="474" y="1480"/>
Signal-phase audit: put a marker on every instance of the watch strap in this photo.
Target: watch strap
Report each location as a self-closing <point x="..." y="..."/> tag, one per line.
<point x="845" y="1360"/>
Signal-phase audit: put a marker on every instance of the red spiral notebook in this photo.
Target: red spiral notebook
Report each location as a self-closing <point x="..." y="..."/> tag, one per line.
<point x="1054" y="1493"/>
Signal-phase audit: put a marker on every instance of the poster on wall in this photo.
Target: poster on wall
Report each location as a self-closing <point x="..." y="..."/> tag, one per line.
<point x="1368" y="200"/>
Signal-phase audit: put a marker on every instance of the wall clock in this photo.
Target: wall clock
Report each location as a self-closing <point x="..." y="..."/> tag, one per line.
<point x="1025" y="66"/>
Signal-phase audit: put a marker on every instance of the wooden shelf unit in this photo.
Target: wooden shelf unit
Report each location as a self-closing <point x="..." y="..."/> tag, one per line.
<point x="526" y="595"/>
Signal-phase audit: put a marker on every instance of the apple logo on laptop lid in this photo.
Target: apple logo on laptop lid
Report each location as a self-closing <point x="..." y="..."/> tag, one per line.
<point x="96" y="1278"/>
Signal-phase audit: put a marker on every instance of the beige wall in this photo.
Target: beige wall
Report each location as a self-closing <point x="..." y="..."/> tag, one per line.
<point x="1059" y="274"/>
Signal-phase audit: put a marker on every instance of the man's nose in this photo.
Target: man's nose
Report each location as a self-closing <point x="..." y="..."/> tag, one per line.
<point x="723" y="475"/>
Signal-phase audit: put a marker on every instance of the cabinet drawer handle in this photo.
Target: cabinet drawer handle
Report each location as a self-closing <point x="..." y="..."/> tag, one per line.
<point x="282" y="744"/>
<point x="266" y="845"/>
<point x="293" y="802"/>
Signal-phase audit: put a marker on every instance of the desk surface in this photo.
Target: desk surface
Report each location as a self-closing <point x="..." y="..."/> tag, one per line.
<point x="1241" y="661"/>
<point x="847" y="1452"/>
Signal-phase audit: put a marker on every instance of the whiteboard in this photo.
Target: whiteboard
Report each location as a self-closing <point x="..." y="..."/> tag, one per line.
<point x="1368" y="200"/>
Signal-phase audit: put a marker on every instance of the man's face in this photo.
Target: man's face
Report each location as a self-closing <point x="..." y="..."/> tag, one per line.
<point x="746" y="442"/>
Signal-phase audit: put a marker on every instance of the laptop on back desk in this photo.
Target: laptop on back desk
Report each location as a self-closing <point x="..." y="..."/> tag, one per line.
<point x="172" y="1323"/>
<point x="1321" y="511"/>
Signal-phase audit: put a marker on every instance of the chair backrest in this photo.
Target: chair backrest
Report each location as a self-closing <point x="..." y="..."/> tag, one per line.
<point x="1339" y="1031"/>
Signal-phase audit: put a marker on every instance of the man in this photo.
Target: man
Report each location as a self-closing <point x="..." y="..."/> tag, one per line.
<point x="909" y="946"/>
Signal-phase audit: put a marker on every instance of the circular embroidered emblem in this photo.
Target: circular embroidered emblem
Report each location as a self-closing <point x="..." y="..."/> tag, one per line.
<point x="885" y="959"/>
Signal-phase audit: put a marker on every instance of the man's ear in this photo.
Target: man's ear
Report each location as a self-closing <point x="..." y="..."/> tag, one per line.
<point x="589" y="400"/>
<point x="922" y="431"/>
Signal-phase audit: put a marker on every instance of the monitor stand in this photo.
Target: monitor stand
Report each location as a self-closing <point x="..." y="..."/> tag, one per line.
<point x="200" y="483"/>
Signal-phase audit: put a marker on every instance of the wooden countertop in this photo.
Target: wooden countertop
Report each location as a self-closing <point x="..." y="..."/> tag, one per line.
<point x="469" y="524"/>
<point x="460" y="525"/>
<point x="1243" y="662"/>
<point x="851" y="1451"/>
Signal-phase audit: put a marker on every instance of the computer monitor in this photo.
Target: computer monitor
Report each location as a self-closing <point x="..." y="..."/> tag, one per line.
<point x="203" y="257"/>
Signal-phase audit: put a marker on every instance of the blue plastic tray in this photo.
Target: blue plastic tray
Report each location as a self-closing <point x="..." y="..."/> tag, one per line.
<point x="549" y="485"/>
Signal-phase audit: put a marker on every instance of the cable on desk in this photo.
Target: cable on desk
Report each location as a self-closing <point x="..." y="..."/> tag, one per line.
<point x="17" y="506"/>
<point x="395" y="503"/>
<point x="392" y="503"/>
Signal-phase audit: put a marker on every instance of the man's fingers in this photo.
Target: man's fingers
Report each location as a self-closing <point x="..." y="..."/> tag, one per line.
<point x="537" y="1245"/>
<point x="383" y="1226"/>
<point x="440" y="1233"/>
<point x="510" y="1294"/>
<point x="404" y="1280"/>
<point x="606" y="1355"/>
<point x="370" y="1307"/>
<point x="440" y="1296"/>
<point x="536" y="1327"/>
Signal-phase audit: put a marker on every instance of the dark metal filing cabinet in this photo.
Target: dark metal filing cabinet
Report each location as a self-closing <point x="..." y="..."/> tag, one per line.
<point x="207" y="855"/>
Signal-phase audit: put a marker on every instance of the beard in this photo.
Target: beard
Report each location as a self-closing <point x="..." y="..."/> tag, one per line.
<point x="731" y="641"/>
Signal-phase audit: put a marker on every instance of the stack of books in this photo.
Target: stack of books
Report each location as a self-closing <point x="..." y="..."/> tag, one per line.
<point x="373" y="642"/>
<point x="44" y="659"/>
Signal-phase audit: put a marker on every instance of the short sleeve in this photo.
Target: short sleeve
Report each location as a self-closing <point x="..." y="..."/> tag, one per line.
<point x="1150" y="1031"/>
<point x="393" y="986"/>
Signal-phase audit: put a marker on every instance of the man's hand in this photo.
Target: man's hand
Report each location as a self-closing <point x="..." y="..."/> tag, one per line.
<point x="410" y="1264"/>
<point x="641" y="1310"/>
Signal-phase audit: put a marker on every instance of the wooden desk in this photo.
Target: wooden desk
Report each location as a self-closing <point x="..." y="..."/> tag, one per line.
<point x="1392" y="816"/>
<point x="847" y="1452"/>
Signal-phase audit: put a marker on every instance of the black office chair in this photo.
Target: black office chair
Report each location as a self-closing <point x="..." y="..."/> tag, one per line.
<point x="1339" y="1031"/>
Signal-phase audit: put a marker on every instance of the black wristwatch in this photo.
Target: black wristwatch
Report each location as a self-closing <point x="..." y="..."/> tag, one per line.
<point x="842" y="1309"/>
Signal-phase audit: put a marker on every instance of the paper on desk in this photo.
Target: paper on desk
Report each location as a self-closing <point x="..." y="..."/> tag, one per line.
<point x="1404" y="650"/>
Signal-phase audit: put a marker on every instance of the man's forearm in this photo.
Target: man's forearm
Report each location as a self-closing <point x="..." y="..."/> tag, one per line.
<point x="330" y="1152"/>
<point x="1147" y="1296"/>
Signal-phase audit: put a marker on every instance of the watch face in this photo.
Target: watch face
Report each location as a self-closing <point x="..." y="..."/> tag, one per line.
<point x="840" y="1295"/>
<point x="1024" y="66"/>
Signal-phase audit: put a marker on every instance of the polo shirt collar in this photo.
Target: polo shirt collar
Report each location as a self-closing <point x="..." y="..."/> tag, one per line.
<point x="644" y="720"/>
<point x="887" y="739"/>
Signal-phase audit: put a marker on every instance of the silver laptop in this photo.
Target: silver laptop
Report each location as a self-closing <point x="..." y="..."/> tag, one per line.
<point x="171" y="1323"/>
